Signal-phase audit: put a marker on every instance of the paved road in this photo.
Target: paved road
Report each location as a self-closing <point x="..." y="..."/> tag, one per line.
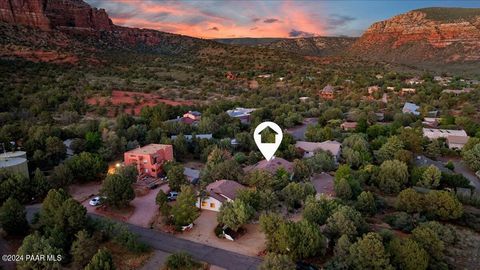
<point x="298" y="132"/>
<point x="168" y="243"/>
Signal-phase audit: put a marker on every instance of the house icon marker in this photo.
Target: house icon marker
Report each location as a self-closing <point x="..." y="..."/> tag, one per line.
<point x="263" y="137"/>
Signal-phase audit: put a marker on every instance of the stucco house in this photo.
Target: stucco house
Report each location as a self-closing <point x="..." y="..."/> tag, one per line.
<point x="310" y="148"/>
<point x="219" y="192"/>
<point x="271" y="166"/>
<point x="149" y="159"/>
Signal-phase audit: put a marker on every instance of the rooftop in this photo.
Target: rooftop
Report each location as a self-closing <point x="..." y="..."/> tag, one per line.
<point x="238" y="112"/>
<point x="225" y="188"/>
<point x="149" y="149"/>
<point x="272" y="166"/>
<point x="330" y="146"/>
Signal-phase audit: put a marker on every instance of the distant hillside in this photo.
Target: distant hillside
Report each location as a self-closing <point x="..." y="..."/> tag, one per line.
<point x="424" y="38"/>
<point x="318" y="46"/>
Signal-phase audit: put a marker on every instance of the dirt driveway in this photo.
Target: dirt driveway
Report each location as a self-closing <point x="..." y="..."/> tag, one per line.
<point x="251" y="244"/>
<point x="144" y="207"/>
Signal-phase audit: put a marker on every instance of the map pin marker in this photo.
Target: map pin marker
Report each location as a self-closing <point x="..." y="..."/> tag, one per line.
<point x="268" y="149"/>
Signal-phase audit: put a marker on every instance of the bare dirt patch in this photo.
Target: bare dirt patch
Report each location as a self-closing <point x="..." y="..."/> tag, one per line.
<point x="250" y="244"/>
<point x="132" y="102"/>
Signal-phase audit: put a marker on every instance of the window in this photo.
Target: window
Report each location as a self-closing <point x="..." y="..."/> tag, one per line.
<point x="212" y="205"/>
<point x="204" y="204"/>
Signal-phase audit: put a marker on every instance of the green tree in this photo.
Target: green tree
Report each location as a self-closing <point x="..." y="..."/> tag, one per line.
<point x="86" y="166"/>
<point x="37" y="245"/>
<point x="13" y="217"/>
<point x="235" y="214"/>
<point x="40" y="183"/>
<point x="410" y="201"/>
<point x="369" y="253"/>
<point x="345" y="220"/>
<point x="301" y="171"/>
<point x="184" y="211"/>
<point x="430" y="242"/>
<point x="407" y="254"/>
<point x="321" y="162"/>
<point x="102" y="260"/>
<point x="52" y="203"/>
<point x="296" y="193"/>
<point x="180" y="145"/>
<point x="433" y="149"/>
<point x="343" y="189"/>
<point x="317" y="211"/>
<point x="117" y="190"/>
<point x="431" y="177"/>
<point x="472" y="157"/>
<point x="393" y="175"/>
<point x="55" y="150"/>
<point x="176" y="177"/>
<point x="443" y="204"/>
<point x="277" y="262"/>
<point x="260" y="179"/>
<point x="181" y="261"/>
<point x="366" y="203"/>
<point x="83" y="248"/>
<point x="15" y="185"/>
<point x="61" y="176"/>
<point x="389" y="149"/>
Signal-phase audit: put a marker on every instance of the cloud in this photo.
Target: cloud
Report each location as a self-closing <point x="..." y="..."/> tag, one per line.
<point x="256" y="19"/>
<point x="337" y="20"/>
<point x="214" y="29"/>
<point x="254" y="28"/>
<point x="271" y="20"/>
<point x="298" y="33"/>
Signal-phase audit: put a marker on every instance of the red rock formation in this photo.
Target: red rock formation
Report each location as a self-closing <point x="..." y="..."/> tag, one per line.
<point x="414" y="36"/>
<point x="53" y="14"/>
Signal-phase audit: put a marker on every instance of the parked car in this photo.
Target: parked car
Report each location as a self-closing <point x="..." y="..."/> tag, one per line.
<point x="478" y="174"/>
<point x="153" y="185"/>
<point x="172" y="196"/>
<point x="96" y="201"/>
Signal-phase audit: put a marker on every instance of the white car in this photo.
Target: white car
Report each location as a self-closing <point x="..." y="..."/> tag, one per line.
<point x="95" y="201"/>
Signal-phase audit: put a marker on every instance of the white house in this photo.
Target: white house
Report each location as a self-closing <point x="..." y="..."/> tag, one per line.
<point x="456" y="139"/>
<point x="219" y="192"/>
<point x="310" y="148"/>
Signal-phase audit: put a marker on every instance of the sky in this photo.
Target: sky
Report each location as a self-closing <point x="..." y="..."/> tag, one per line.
<point x="254" y="18"/>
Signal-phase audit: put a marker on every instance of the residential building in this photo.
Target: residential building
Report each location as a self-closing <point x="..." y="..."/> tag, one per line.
<point x="456" y="139"/>
<point x="310" y="148"/>
<point x="303" y="99"/>
<point x="271" y="166"/>
<point x="431" y="122"/>
<point x="15" y="162"/>
<point x="194" y="115"/>
<point x="408" y="91"/>
<point x="197" y="136"/>
<point x="219" y="192"/>
<point x="348" y="126"/>
<point x="390" y="88"/>
<point x="373" y="89"/>
<point x="193" y="175"/>
<point x="149" y="159"/>
<point x="414" y="81"/>
<point x="323" y="184"/>
<point x="458" y="91"/>
<point x="457" y="142"/>
<point x="327" y="92"/>
<point x="243" y="114"/>
<point x="411" y="108"/>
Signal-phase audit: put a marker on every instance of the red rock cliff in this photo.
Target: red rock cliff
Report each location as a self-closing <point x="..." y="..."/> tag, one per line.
<point x="52" y="14"/>
<point x="417" y="36"/>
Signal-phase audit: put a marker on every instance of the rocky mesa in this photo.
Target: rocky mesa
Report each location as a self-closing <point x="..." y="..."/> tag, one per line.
<point x="438" y="35"/>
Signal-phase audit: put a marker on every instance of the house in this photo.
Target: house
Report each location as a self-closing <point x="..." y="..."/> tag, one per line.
<point x="380" y="116"/>
<point x="411" y="108"/>
<point x="456" y="139"/>
<point x="323" y="184"/>
<point x="348" y="126"/>
<point x="431" y="122"/>
<point x="219" y="192"/>
<point x="327" y="92"/>
<point x="458" y="91"/>
<point x="373" y="89"/>
<point x="303" y="99"/>
<point x="197" y="136"/>
<point x="194" y="115"/>
<point x="423" y="161"/>
<point x="408" y="91"/>
<point x="265" y="76"/>
<point x="189" y="118"/>
<point x="192" y="175"/>
<point x="229" y="75"/>
<point x="271" y="166"/>
<point x="310" y="148"/>
<point x="390" y="88"/>
<point x="149" y="159"/>
<point x="414" y="81"/>
<point x="241" y="113"/>
<point x="457" y="142"/>
<point x="379" y="76"/>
